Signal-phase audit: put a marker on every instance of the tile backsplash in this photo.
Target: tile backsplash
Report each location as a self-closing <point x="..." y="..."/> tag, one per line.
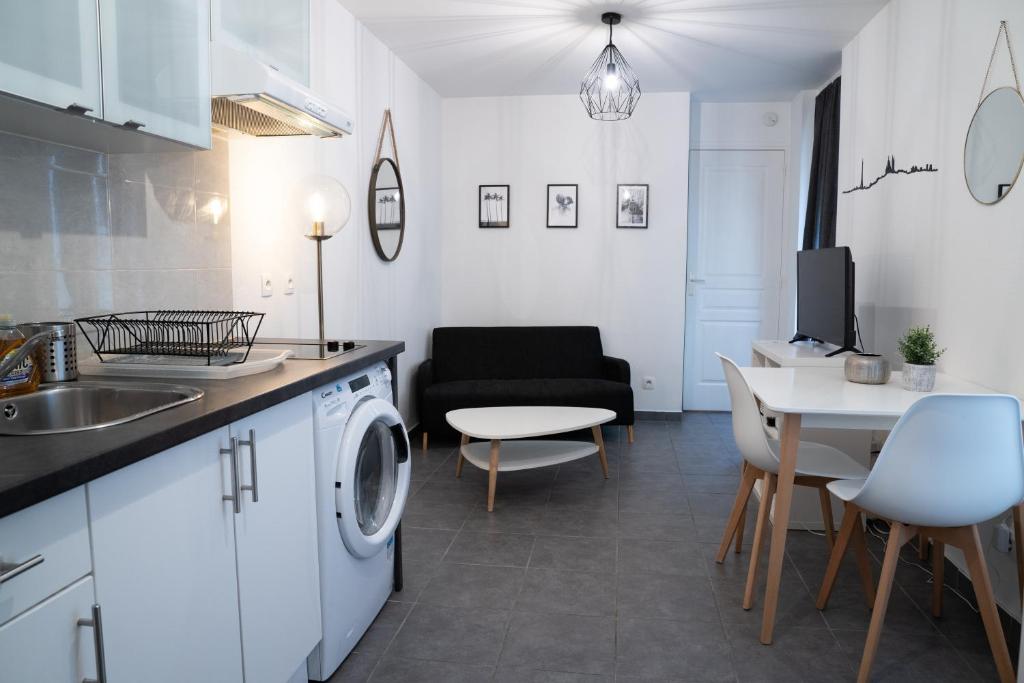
<point x="84" y="233"/>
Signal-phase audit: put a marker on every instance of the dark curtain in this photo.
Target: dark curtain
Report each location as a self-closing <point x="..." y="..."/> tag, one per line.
<point x="823" y="189"/>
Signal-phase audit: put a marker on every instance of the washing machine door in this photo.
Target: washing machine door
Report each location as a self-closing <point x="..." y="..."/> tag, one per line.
<point x="372" y="482"/>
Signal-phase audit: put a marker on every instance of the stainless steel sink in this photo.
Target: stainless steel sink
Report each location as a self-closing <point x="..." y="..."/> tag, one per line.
<point x="84" y="405"/>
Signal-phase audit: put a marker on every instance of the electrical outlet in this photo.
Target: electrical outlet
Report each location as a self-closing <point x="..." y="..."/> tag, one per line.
<point x="1003" y="537"/>
<point x="648" y="384"/>
<point x="266" y="285"/>
<point x="289" y="284"/>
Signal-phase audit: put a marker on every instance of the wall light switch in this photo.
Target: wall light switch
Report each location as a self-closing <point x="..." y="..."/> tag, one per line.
<point x="266" y="285"/>
<point x="648" y="384"/>
<point x="289" y="284"/>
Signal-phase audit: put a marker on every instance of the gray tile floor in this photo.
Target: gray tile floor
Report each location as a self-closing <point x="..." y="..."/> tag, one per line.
<point x="574" y="578"/>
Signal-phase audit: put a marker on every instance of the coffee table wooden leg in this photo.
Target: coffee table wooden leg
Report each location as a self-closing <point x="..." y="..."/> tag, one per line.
<point x="458" y="458"/>
<point x="492" y="474"/>
<point x="790" y="441"/>
<point x="599" y="440"/>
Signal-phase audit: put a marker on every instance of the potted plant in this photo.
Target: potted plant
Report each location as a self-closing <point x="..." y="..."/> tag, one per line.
<point x="919" y="353"/>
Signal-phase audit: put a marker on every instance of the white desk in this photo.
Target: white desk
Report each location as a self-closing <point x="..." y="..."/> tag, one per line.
<point x="821" y="397"/>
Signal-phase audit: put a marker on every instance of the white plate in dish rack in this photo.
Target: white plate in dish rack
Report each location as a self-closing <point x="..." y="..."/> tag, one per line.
<point x="260" y="360"/>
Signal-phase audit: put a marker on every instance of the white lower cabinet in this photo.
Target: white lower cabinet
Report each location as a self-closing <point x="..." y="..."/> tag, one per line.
<point x="205" y="556"/>
<point x="275" y="534"/>
<point x="47" y="643"/>
<point x="164" y="562"/>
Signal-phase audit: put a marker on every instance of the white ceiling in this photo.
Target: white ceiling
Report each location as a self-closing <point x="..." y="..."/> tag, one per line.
<point x="720" y="50"/>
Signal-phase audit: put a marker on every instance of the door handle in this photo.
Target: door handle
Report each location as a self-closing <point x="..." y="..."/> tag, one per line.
<point x="9" y="571"/>
<point x="96" y="624"/>
<point x="694" y="278"/>
<point x="236" y="493"/>
<point x="254" y="487"/>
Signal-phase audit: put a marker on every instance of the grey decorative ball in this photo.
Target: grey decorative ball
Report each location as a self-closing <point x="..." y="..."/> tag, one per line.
<point x="867" y="368"/>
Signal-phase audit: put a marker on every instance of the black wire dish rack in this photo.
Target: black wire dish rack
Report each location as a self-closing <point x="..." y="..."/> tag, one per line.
<point x="218" y="337"/>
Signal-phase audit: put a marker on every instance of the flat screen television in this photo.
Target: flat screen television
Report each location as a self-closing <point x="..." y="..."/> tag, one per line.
<point x="824" y="310"/>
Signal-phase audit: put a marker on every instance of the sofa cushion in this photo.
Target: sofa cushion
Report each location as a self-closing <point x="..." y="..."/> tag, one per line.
<point x="472" y="353"/>
<point x="586" y="393"/>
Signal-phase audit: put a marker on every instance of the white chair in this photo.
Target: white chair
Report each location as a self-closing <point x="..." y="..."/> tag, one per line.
<point x="951" y="462"/>
<point x="817" y="465"/>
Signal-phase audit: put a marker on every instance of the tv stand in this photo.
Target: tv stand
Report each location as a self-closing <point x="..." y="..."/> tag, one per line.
<point x="803" y="337"/>
<point x="851" y="349"/>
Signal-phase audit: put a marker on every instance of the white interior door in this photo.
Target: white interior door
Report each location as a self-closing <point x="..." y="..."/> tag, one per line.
<point x="733" y="270"/>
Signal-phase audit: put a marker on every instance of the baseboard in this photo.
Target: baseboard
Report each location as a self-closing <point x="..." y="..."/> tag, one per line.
<point x="659" y="416"/>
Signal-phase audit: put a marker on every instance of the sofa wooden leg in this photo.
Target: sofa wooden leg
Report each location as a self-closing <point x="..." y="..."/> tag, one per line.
<point x="426" y="441"/>
<point x="629" y="433"/>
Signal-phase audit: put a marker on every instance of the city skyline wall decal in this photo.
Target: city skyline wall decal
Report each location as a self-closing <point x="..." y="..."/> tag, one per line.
<point x="890" y="169"/>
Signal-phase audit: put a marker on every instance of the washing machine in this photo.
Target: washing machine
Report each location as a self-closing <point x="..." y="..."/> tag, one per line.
<point x="362" y="482"/>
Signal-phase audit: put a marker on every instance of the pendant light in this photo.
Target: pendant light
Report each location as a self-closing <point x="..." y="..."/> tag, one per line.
<point x="610" y="90"/>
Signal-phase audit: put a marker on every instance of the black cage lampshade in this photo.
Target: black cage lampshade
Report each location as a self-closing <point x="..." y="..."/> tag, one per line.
<point x="611" y="89"/>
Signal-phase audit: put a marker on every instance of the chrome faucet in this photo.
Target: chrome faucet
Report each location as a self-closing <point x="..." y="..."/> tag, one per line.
<point x="11" y="362"/>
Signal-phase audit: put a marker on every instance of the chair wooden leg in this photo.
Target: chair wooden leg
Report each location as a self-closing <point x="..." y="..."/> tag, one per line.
<point x="938" y="575"/>
<point x="426" y="441"/>
<point x="760" y="529"/>
<point x="739" y="506"/>
<point x="898" y="535"/>
<point x="458" y="457"/>
<point x="851" y="520"/>
<point x="630" y="434"/>
<point x="741" y="526"/>
<point x="1018" y="545"/>
<point x="826" y="516"/>
<point x="986" y="604"/>
<point x="860" y="549"/>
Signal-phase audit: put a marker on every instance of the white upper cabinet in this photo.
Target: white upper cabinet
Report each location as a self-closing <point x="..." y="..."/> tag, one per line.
<point x="156" y="67"/>
<point x="49" y="52"/>
<point x="274" y="31"/>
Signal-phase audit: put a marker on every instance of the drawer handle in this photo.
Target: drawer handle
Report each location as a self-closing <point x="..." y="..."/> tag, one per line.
<point x="9" y="571"/>
<point x="254" y="487"/>
<point x="134" y="125"/>
<point x="236" y="493"/>
<point x="96" y="624"/>
<point x="76" y="108"/>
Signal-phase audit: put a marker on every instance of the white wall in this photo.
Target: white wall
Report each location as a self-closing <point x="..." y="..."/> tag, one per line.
<point x="926" y="252"/>
<point x="364" y="297"/>
<point x="627" y="282"/>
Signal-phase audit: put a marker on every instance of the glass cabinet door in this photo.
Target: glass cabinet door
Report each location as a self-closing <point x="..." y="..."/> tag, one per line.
<point x="49" y="52"/>
<point x="156" y="67"/>
<point x="274" y="31"/>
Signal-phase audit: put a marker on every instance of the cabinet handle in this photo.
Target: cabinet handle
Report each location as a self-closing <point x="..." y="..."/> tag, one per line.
<point x="251" y="443"/>
<point x="9" y="571"/>
<point x="134" y="125"/>
<point x="76" y="108"/>
<point x="236" y="494"/>
<point x="96" y="624"/>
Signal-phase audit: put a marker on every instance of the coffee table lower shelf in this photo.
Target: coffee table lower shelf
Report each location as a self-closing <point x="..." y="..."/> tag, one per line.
<point x="525" y="455"/>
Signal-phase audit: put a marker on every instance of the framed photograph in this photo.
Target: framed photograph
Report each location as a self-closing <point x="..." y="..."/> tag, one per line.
<point x="631" y="206"/>
<point x="494" y="206"/>
<point x="562" y="206"/>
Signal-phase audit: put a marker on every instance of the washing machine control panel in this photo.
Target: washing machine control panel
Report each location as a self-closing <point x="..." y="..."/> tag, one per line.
<point x="337" y="400"/>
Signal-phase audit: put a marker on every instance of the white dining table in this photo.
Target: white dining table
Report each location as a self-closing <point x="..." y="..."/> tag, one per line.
<point x="822" y="398"/>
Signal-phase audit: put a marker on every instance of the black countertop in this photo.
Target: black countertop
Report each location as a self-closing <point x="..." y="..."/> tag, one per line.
<point x="34" y="468"/>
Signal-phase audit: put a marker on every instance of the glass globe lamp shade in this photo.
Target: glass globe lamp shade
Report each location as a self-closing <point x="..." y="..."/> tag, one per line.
<point x="323" y="206"/>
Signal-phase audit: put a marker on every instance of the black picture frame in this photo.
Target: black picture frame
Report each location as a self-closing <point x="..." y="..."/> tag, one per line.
<point x="637" y="212"/>
<point x="495" y="213"/>
<point x="573" y="206"/>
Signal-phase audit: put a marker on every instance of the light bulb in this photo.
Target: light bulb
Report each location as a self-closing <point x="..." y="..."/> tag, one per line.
<point x="611" y="79"/>
<point x="322" y="206"/>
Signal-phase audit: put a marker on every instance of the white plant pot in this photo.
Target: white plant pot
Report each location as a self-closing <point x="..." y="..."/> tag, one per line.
<point x="918" y="377"/>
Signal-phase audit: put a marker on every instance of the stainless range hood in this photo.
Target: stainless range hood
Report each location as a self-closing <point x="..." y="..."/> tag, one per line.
<point x="255" y="99"/>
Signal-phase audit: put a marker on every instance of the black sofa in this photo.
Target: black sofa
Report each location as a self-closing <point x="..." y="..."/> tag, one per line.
<point x="474" y="367"/>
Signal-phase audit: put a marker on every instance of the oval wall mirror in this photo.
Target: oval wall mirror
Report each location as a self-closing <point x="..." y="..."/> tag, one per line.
<point x="386" y="209"/>
<point x="994" y="151"/>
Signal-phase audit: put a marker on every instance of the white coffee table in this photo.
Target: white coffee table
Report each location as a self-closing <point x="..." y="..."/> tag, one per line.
<point x="503" y="423"/>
